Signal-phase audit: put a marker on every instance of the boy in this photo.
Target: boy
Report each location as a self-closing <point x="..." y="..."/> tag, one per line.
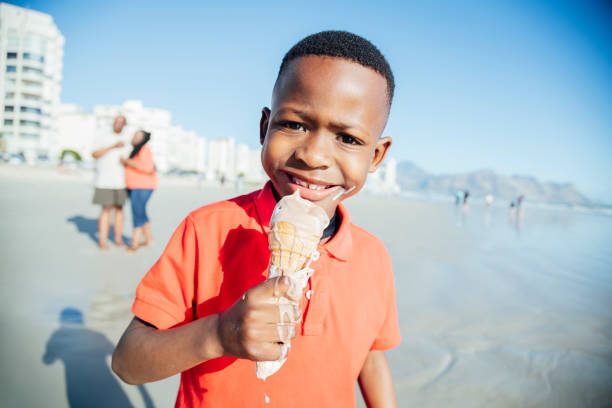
<point x="206" y="310"/>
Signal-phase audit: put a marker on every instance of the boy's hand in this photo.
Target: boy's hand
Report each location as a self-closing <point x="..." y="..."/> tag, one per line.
<point x="257" y="325"/>
<point x="118" y="144"/>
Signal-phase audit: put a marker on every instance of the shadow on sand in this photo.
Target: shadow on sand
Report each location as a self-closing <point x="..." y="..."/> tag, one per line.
<point x="89" y="380"/>
<point x="89" y="226"/>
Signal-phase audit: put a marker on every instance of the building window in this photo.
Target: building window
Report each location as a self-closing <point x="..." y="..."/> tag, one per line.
<point x="11" y="55"/>
<point x="28" y="109"/>
<point x="29" y="136"/>
<point x="33" y="57"/>
<point x="8" y="122"/>
<point x="9" y="95"/>
<point x="11" y="68"/>
<point x="9" y="108"/>
<point x="31" y="69"/>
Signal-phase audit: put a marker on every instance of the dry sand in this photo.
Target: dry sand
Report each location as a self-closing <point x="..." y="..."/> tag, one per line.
<point x="493" y="313"/>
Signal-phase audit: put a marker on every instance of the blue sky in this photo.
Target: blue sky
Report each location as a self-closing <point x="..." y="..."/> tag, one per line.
<point x="521" y="87"/>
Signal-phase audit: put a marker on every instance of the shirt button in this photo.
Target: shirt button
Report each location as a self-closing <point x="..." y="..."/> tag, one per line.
<point x="308" y="294"/>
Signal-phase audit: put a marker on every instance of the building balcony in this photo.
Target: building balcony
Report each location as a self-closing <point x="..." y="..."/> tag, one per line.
<point x="34" y="63"/>
<point x="19" y="100"/>
<point x="30" y="116"/>
<point x="30" y="98"/>
<point x="33" y="76"/>
<point x="29" y="129"/>
<point x="32" y="92"/>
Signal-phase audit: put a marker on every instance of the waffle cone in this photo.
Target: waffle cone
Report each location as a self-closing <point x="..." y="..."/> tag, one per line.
<point x="289" y="250"/>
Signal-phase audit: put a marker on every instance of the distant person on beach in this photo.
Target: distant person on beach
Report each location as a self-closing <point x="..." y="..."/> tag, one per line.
<point x="207" y="309"/>
<point x="110" y="182"/>
<point x="140" y="180"/>
<point x="458" y="197"/>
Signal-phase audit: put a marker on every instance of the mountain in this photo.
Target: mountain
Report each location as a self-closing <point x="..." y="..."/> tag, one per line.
<point x="479" y="183"/>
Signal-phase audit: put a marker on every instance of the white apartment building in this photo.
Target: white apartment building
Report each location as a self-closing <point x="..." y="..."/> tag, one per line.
<point x="172" y="146"/>
<point x="221" y="159"/>
<point x="230" y="160"/>
<point x="390" y="176"/>
<point x="31" y="54"/>
<point x="384" y="180"/>
<point x="75" y="131"/>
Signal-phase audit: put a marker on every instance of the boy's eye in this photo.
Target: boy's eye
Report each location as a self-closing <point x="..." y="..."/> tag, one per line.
<point x="348" y="139"/>
<point x="294" y="126"/>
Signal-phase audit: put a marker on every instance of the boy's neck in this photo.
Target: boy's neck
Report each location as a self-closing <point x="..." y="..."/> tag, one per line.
<point x="333" y="226"/>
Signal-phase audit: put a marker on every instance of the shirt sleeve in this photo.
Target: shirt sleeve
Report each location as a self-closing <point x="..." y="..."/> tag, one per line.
<point x="389" y="335"/>
<point x="164" y="297"/>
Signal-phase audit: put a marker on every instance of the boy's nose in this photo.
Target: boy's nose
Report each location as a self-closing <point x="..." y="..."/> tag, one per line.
<point x="315" y="151"/>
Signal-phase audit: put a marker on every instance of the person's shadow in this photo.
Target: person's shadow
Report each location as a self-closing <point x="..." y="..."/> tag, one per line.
<point x="89" y="226"/>
<point x="89" y="381"/>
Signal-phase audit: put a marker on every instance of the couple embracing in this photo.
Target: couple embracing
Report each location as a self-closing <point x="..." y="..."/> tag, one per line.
<point x="121" y="172"/>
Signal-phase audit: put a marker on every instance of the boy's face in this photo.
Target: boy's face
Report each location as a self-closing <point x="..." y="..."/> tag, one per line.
<point x="322" y="134"/>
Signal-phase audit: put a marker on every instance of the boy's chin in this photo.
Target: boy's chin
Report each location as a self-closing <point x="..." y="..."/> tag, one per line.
<point x="328" y="204"/>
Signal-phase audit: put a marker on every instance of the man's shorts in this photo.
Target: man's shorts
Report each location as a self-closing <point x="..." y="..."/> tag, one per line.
<point x="108" y="197"/>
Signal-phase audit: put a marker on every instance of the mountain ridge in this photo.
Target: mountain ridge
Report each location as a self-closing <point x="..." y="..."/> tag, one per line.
<point x="480" y="183"/>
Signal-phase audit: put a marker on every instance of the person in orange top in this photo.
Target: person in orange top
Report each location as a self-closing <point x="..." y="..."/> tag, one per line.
<point x="206" y="310"/>
<point x="140" y="181"/>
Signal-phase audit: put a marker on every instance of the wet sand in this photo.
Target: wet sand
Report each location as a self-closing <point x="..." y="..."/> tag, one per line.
<point x="493" y="312"/>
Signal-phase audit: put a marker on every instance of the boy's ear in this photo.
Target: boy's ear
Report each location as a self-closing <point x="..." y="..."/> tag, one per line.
<point x="380" y="151"/>
<point x="263" y="124"/>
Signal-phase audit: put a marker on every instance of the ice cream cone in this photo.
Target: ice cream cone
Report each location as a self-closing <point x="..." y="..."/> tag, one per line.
<point x="296" y="227"/>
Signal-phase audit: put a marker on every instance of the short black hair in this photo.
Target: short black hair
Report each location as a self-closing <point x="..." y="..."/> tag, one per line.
<point x="342" y="44"/>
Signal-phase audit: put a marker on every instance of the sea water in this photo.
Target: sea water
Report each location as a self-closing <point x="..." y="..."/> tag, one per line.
<point x="498" y="309"/>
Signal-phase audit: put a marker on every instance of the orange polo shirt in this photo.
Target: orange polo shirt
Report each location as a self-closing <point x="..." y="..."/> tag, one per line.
<point x="141" y="178"/>
<point x="221" y="250"/>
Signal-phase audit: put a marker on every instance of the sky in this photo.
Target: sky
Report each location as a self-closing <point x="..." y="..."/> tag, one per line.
<point x="519" y="87"/>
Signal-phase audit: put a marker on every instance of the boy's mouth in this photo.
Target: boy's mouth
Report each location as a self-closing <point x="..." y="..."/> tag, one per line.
<point x="313" y="190"/>
<point x="306" y="184"/>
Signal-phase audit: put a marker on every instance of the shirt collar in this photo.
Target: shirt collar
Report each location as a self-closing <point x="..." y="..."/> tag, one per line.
<point x="339" y="246"/>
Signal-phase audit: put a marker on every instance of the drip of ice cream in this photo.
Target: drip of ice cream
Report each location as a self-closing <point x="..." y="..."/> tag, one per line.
<point x="296" y="227"/>
<point x="342" y="192"/>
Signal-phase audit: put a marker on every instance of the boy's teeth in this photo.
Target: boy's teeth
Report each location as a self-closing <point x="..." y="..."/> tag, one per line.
<point x="305" y="184"/>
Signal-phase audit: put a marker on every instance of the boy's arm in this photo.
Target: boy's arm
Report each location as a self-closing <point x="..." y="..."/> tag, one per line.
<point x="376" y="382"/>
<point x="146" y="354"/>
<point x="248" y="329"/>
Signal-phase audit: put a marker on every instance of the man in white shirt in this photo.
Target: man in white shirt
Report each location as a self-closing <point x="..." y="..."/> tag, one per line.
<point x="110" y="181"/>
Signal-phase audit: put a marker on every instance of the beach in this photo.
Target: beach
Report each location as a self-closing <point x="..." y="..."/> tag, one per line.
<point x="495" y="310"/>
